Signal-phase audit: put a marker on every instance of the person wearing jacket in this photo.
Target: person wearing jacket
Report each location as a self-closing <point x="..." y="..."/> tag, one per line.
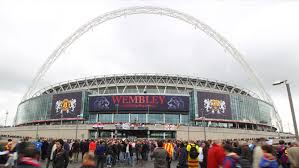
<point x="268" y="160"/>
<point x="92" y="146"/>
<point x="215" y="155"/>
<point x="27" y="156"/>
<point x="231" y="159"/>
<point x="75" y="150"/>
<point x="192" y="162"/>
<point x="50" y="150"/>
<point x="258" y="153"/>
<point x="161" y="156"/>
<point x="60" y="156"/>
<point x="293" y="154"/>
<point x="88" y="161"/>
<point x="100" y="154"/>
<point x="182" y="156"/>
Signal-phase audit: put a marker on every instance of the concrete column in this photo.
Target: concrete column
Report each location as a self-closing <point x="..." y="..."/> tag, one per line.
<point x="148" y="133"/>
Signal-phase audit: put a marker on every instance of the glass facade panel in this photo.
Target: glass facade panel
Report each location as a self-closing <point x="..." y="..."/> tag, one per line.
<point x="121" y="117"/>
<point x="92" y="118"/>
<point x="155" y="118"/>
<point x="105" y="118"/>
<point x="172" y="118"/>
<point x="265" y="113"/>
<point x="244" y="108"/>
<point x="184" y="119"/>
<point x="138" y="118"/>
<point x="34" y="109"/>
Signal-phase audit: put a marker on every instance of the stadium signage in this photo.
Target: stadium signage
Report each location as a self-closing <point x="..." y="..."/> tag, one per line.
<point x="214" y="105"/>
<point x="66" y="105"/>
<point x="152" y="103"/>
<point x="138" y="99"/>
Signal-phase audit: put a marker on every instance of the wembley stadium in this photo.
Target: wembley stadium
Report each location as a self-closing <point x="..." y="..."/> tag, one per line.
<point x="146" y="106"/>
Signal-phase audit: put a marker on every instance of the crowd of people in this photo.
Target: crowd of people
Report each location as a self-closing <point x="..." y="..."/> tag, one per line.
<point x="101" y="153"/>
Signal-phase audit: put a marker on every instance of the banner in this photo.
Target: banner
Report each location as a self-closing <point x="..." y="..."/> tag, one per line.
<point x="66" y="105"/>
<point x="214" y="105"/>
<point x="138" y="103"/>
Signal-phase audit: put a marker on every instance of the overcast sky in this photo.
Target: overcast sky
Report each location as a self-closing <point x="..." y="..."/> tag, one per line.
<point x="265" y="32"/>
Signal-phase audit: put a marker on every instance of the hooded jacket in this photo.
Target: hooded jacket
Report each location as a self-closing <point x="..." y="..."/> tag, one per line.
<point x="268" y="161"/>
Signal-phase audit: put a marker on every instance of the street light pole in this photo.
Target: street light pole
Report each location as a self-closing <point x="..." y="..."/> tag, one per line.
<point x="61" y="116"/>
<point x="77" y="127"/>
<point x="291" y="106"/>
<point x="6" y="114"/>
<point x="203" y="123"/>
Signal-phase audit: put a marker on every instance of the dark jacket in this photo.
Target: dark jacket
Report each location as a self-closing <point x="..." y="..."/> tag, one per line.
<point x="60" y="159"/>
<point x="75" y="147"/>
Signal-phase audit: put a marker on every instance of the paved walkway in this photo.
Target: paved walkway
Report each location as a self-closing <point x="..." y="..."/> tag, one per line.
<point x="120" y="164"/>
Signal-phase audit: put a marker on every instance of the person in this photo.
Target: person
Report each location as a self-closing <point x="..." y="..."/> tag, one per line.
<point x="50" y="151"/>
<point x="258" y="152"/>
<point x="231" y="159"/>
<point x="293" y="155"/>
<point x="215" y="155"/>
<point x="182" y="156"/>
<point x="88" y="161"/>
<point x="268" y="160"/>
<point x="246" y="156"/>
<point x="45" y="146"/>
<point x="129" y="153"/>
<point x="38" y="147"/>
<point x="169" y="148"/>
<point x="92" y="146"/>
<point x="161" y="156"/>
<point x="100" y="154"/>
<point x="75" y="150"/>
<point x="27" y="156"/>
<point x="205" y="148"/>
<point x="193" y="153"/>
<point x="281" y="154"/>
<point x="84" y="147"/>
<point x="60" y="156"/>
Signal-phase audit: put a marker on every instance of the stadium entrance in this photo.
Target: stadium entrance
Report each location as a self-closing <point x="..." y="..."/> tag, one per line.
<point x="122" y="133"/>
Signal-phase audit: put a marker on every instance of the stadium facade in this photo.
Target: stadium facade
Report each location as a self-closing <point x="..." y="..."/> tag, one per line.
<point x="147" y="105"/>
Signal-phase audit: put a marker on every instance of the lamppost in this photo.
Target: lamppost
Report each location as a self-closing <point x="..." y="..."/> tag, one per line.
<point x="203" y="123"/>
<point x="291" y="105"/>
<point x="6" y="114"/>
<point x="36" y="134"/>
<point x="61" y="116"/>
<point x="77" y="127"/>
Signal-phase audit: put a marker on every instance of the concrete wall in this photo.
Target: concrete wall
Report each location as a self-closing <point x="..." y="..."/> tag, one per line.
<point x="195" y="133"/>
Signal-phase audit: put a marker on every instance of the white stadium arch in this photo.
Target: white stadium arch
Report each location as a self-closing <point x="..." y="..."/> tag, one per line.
<point x="148" y="10"/>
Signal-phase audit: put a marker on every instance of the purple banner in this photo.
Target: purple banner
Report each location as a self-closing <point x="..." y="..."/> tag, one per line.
<point x="66" y="105"/>
<point x="138" y="103"/>
<point x="214" y="105"/>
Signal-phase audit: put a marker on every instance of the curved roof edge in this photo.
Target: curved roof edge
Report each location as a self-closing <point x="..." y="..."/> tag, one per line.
<point x="144" y="79"/>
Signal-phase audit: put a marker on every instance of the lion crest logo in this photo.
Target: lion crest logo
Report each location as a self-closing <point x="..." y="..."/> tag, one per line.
<point x="66" y="106"/>
<point x="214" y="106"/>
<point x="101" y="103"/>
<point x="175" y="103"/>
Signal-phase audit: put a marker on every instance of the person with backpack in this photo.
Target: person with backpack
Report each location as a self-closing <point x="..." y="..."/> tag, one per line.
<point x="281" y="154"/>
<point x="192" y="156"/>
<point x="231" y="159"/>
<point x="100" y="154"/>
